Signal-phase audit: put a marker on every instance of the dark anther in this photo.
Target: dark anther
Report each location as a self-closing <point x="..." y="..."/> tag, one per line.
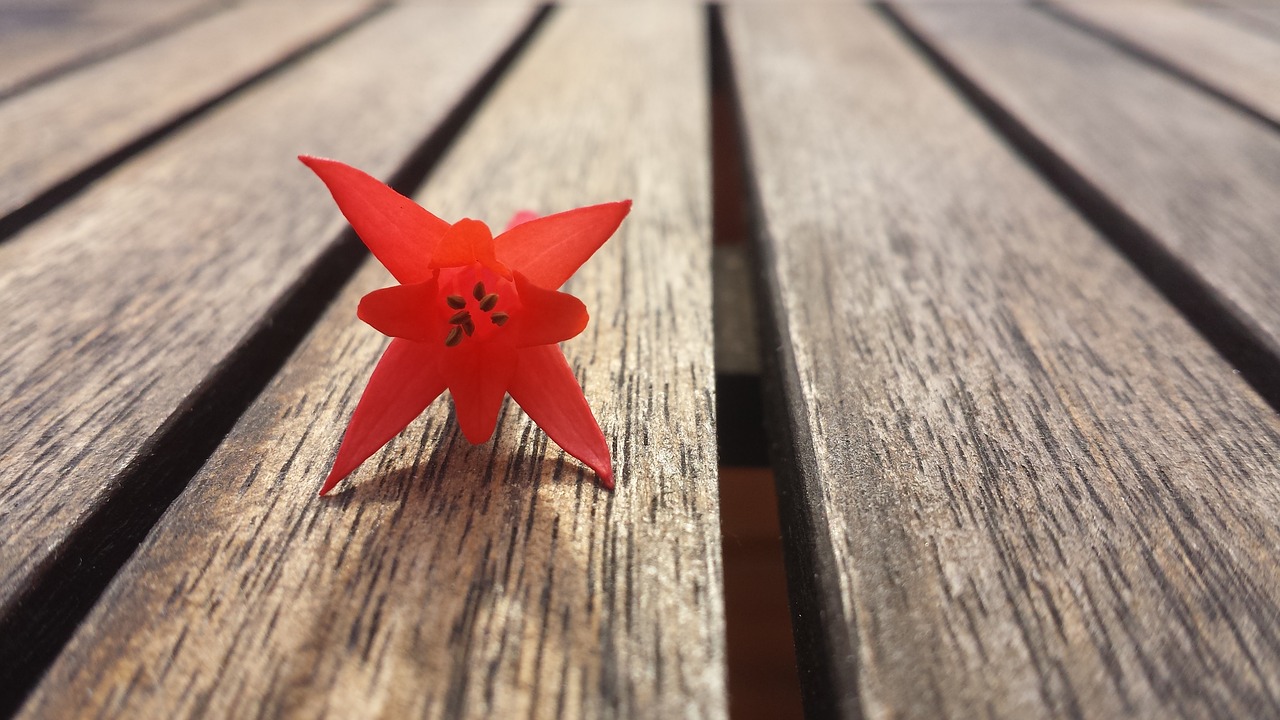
<point x="488" y="301"/>
<point x="460" y="317"/>
<point x="499" y="318"/>
<point x="454" y="337"/>
<point x="478" y="290"/>
<point x="457" y="302"/>
<point x="468" y="326"/>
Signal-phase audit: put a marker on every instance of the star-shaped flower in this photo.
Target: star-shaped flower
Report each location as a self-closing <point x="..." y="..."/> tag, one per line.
<point x="477" y="315"/>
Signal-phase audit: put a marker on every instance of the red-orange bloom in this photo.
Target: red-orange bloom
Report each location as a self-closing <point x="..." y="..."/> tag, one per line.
<point x="477" y="315"/>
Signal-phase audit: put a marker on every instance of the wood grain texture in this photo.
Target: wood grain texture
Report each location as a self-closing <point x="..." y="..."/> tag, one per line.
<point x="447" y="579"/>
<point x="67" y="125"/>
<point x="42" y="38"/>
<point x="1200" y="178"/>
<point x="121" y="304"/>
<point x="1243" y="65"/>
<point x="1023" y="486"/>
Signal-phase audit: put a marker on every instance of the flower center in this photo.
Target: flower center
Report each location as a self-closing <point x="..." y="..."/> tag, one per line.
<point x="476" y="302"/>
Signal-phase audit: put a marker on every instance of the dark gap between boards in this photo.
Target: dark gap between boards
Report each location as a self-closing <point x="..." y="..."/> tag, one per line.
<point x="739" y="406"/>
<point x="63" y="592"/>
<point x="764" y="683"/>
<point x="824" y="686"/>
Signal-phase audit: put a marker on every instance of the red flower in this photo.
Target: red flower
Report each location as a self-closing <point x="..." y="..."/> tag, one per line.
<point x="474" y="314"/>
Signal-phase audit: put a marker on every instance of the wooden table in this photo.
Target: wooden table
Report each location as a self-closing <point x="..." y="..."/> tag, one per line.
<point x="1018" y="277"/>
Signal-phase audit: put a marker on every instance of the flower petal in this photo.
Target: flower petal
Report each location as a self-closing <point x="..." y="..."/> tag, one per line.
<point x="546" y="389"/>
<point x="403" y="384"/>
<point x="550" y="249"/>
<point x="521" y="218"/>
<point x="546" y="316"/>
<point x="468" y="241"/>
<point x="403" y="311"/>
<point x="478" y="379"/>
<point x="396" y="230"/>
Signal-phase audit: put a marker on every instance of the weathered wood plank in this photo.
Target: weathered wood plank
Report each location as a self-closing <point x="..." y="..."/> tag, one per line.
<point x="1023" y="485"/>
<point x="1254" y="15"/>
<point x="42" y="38"/>
<point x="1199" y="180"/>
<point x="445" y="579"/>
<point x="1236" y="62"/>
<point x="68" y="125"/>
<point x="119" y="306"/>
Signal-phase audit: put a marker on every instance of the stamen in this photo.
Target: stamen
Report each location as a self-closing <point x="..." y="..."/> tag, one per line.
<point x="478" y="290"/>
<point x="488" y="301"/>
<point x="457" y="302"/>
<point x="460" y="317"/>
<point x="454" y="337"/>
<point x="499" y="318"/>
<point x="469" y="327"/>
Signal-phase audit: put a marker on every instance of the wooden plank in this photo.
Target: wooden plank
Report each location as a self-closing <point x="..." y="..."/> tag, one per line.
<point x="1253" y="15"/>
<point x="119" y="306"/>
<point x="1022" y="486"/>
<point x="1195" y="183"/>
<point x="83" y="118"/>
<point x="43" y="38"/>
<point x="447" y="579"/>
<point x="1229" y="59"/>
